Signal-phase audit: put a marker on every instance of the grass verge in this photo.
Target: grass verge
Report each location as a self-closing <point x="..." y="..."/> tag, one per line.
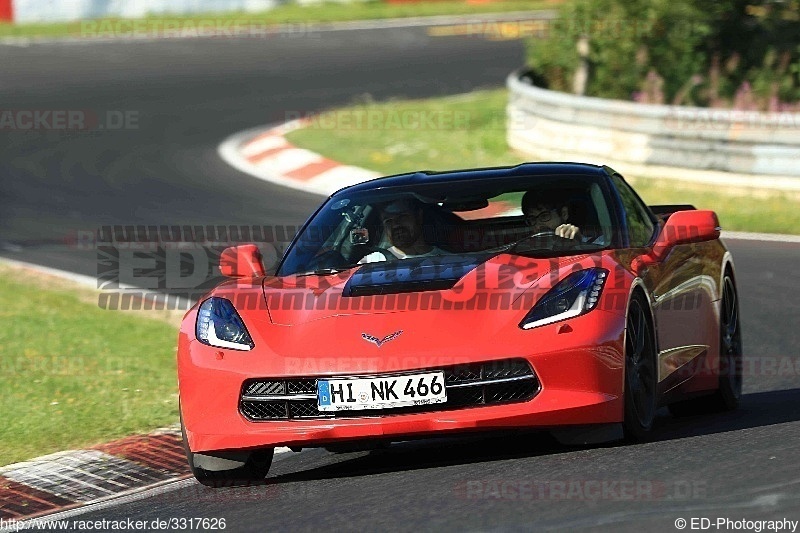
<point x="283" y="14"/>
<point x="73" y="374"/>
<point x="468" y="131"/>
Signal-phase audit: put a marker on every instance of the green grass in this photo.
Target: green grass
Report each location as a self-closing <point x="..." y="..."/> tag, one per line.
<point x="772" y="212"/>
<point x="284" y="14"/>
<point x="469" y="131"/>
<point x="72" y="374"/>
<point x="457" y="132"/>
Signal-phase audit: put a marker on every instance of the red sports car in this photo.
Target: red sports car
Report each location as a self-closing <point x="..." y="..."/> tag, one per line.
<point x="544" y="295"/>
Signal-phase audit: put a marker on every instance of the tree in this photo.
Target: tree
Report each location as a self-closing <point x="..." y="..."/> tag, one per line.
<point x="693" y="51"/>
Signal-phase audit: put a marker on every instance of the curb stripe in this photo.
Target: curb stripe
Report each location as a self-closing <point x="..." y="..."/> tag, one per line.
<point x="341" y="176"/>
<point x="312" y="170"/>
<point x="18" y="500"/>
<point x="258" y="157"/>
<point x="292" y="167"/>
<point x="82" y="476"/>
<point x="158" y="452"/>
<point x="289" y="159"/>
<point x="262" y="143"/>
<point x="72" y="479"/>
<point x="7" y="10"/>
<point x="492" y="210"/>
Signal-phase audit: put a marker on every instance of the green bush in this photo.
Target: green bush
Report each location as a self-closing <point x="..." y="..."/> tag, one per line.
<point x="741" y="53"/>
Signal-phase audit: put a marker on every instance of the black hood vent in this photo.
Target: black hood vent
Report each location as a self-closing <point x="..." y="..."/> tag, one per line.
<point x="418" y="274"/>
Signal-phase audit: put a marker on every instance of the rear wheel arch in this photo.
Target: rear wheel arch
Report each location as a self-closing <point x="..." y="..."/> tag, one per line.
<point x="727" y="269"/>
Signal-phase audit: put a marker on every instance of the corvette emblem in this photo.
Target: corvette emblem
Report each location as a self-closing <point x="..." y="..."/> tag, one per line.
<point x="380" y="342"/>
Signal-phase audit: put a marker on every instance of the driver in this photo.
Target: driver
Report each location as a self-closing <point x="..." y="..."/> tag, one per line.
<point x="402" y="224"/>
<point x="546" y="211"/>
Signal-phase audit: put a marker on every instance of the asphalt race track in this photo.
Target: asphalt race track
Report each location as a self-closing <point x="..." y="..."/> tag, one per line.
<point x="187" y="95"/>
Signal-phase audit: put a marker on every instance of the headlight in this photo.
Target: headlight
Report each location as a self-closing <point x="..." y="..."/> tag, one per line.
<point x="218" y="324"/>
<point x="574" y="295"/>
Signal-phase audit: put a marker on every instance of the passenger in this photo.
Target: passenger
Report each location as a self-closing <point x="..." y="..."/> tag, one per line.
<point x="547" y="211"/>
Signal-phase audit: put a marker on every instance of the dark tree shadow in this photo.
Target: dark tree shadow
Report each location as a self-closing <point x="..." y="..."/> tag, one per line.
<point x="756" y="410"/>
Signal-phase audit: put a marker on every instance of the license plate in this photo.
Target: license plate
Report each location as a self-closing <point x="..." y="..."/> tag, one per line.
<point x="351" y="394"/>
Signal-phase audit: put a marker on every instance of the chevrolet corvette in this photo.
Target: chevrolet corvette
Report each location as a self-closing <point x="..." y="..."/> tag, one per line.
<point x="543" y="295"/>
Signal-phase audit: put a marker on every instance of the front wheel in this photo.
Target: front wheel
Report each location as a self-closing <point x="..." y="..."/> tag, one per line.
<point x="640" y="372"/>
<point x="228" y="470"/>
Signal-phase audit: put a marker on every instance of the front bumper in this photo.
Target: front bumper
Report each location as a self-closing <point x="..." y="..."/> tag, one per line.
<point x="579" y="368"/>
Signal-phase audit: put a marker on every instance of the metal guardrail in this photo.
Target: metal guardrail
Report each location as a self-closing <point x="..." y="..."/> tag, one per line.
<point x="559" y="126"/>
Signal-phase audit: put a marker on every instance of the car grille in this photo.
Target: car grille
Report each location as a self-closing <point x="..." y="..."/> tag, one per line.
<point x="468" y="385"/>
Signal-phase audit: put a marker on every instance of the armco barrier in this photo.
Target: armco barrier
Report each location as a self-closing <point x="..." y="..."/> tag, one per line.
<point x="760" y="148"/>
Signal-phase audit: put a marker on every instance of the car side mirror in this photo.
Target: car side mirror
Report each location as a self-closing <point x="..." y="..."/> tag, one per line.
<point x="243" y="261"/>
<point x="684" y="227"/>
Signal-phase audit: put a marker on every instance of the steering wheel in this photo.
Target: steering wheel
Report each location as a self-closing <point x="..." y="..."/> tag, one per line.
<point x="547" y="239"/>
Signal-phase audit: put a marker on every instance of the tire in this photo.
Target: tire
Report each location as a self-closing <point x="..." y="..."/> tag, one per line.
<point x="729" y="393"/>
<point x="640" y="371"/>
<point x="254" y="470"/>
<point x="730" y="378"/>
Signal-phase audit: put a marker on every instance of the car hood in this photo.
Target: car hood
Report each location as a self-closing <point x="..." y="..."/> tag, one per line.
<point x="478" y="284"/>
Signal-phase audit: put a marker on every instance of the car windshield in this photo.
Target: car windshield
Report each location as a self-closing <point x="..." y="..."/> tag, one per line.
<point x="537" y="216"/>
